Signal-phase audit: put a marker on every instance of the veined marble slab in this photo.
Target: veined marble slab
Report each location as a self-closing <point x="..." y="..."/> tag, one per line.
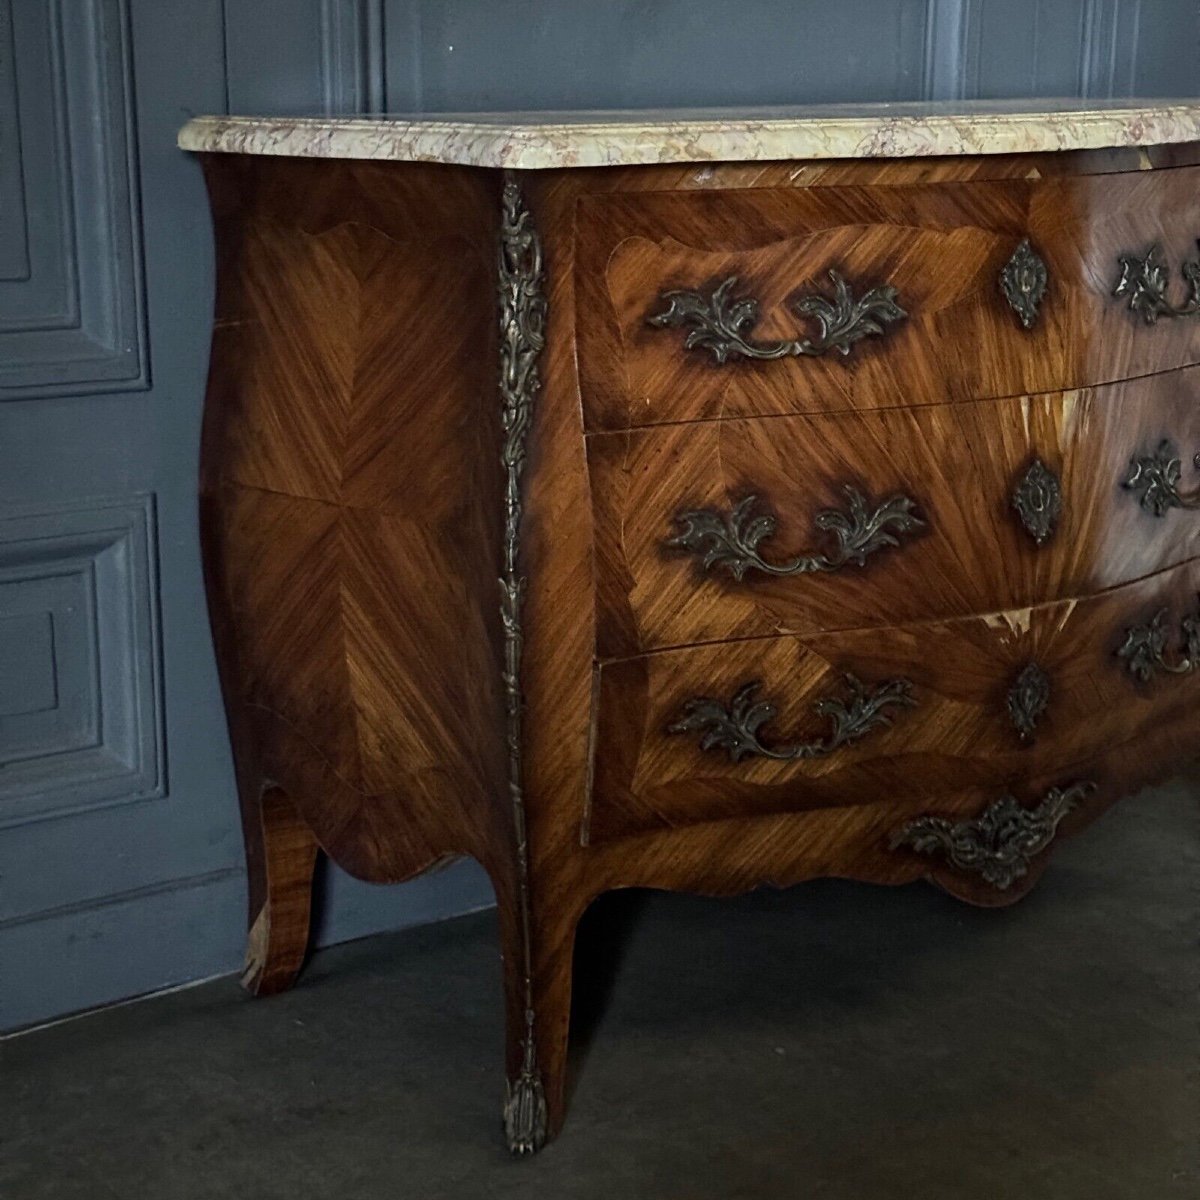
<point x="534" y="141"/>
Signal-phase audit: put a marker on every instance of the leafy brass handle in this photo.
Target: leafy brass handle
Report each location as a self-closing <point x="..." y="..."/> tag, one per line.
<point x="1145" y="647"/>
<point x="721" y="324"/>
<point x="732" y="539"/>
<point x="1144" y="282"/>
<point x="1001" y="841"/>
<point x="734" y="727"/>
<point x="1155" y="477"/>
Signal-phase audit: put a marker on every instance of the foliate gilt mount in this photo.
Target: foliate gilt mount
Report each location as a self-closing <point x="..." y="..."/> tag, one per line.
<point x="1023" y="282"/>
<point x="1000" y="843"/>
<point x="722" y="325"/>
<point x="1155" y="477"/>
<point x="1144" y="282"/>
<point x="734" y="727"/>
<point x="522" y="339"/>
<point x="1145" y="647"/>
<point x="731" y="540"/>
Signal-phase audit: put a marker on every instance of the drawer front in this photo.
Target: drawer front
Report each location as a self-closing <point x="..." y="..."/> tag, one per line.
<point x="892" y="516"/>
<point x="903" y="716"/>
<point x="691" y="306"/>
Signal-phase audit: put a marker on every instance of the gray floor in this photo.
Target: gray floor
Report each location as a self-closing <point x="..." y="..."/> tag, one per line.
<point x="835" y="1040"/>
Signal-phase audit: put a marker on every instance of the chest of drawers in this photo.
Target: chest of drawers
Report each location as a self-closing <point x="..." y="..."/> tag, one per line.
<point x="696" y="505"/>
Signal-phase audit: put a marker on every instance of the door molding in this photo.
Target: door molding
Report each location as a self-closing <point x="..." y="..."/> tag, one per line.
<point x="73" y="319"/>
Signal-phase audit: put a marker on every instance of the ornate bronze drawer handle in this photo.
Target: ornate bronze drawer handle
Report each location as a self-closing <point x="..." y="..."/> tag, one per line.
<point x="721" y="324"/>
<point x="731" y="540"/>
<point x="1001" y="841"/>
<point x="734" y="727"/>
<point x="1144" y="648"/>
<point x="1155" y="477"/>
<point x="1144" y="282"/>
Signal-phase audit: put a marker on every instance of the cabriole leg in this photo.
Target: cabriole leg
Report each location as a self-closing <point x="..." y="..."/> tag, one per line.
<point x="538" y="1027"/>
<point x="281" y="856"/>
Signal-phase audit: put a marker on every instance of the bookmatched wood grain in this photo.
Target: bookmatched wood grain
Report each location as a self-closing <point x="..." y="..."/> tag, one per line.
<point x="942" y="247"/>
<point x="352" y="530"/>
<point x="961" y="464"/>
<point x="957" y="738"/>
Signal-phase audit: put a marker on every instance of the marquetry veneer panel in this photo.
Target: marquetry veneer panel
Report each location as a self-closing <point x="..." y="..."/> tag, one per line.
<point x="961" y="465"/>
<point x="958" y="735"/>
<point x="941" y="246"/>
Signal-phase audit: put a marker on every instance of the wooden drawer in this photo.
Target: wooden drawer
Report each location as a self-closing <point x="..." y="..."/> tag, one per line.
<point x="977" y="705"/>
<point x="942" y="248"/>
<point x="965" y="467"/>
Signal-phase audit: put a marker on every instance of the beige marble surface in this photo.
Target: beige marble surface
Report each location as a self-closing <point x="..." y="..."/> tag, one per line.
<point x="595" y="139"/>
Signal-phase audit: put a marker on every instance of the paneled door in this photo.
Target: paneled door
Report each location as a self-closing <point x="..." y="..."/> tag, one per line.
<point x="118" y="833"/>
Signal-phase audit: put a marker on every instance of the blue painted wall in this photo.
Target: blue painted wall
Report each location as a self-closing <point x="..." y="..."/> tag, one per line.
<point x="120" y="853"/>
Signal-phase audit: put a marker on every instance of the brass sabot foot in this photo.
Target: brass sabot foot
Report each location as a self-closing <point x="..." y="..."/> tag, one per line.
<point x="525" y="1114"/>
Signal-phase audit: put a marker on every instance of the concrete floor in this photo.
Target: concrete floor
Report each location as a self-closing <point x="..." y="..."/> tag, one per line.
<point x="835" y="1040"/>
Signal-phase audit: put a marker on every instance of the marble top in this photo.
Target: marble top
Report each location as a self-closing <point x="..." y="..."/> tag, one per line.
<point x="540" y="140"/>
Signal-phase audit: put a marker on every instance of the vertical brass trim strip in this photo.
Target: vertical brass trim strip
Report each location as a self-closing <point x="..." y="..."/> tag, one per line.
<point x="522" y="336"/>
